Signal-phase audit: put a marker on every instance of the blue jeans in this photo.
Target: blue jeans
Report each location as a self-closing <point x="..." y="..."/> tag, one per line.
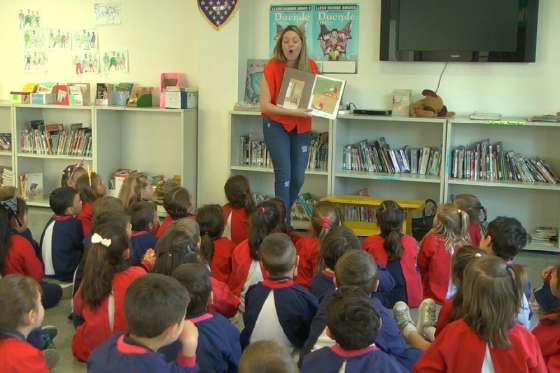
<point x="289" y="153"/>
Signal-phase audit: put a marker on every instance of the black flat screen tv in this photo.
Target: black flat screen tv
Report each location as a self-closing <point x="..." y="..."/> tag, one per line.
<point x="459" y="30"/>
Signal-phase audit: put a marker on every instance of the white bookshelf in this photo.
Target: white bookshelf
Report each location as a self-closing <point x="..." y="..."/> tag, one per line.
<point x="6" y="156"/>
<point x="153" y="140"/>
<point x="261" y="179"/>
<point x="398" y="132"/>
<point x="534" y="204"/>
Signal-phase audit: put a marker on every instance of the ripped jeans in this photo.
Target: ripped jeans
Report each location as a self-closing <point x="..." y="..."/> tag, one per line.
<point x="289" y="153"/>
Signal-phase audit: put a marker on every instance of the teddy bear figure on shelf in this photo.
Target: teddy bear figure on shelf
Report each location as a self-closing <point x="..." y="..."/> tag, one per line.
<point x="431" y="106"/>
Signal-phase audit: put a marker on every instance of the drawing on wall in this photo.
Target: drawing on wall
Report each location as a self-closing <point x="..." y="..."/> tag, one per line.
<point x="28" y="19"/>
<point x="107" y="14"/>
<point x="85" y="39"/>
<point x="33" y="39"/>
<point x="115" y="61"/>
<point x="86" y="63"/>
<point x="34" y="61"/>
<point x="59" y="39"/>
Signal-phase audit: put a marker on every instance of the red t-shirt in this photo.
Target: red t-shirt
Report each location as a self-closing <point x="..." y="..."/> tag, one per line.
<point x="274" y="74"/>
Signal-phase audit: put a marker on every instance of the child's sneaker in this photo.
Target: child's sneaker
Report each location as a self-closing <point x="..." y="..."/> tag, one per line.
<point x="48" y="334"/>
<point x="401" y="312"/>
<point x="426" y="315"/>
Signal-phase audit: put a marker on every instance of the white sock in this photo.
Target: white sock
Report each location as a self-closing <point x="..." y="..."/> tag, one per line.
<point x="408" y="329"/>
<point x="430" y="333"/>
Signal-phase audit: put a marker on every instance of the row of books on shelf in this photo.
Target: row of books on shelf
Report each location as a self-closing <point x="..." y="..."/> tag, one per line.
<point x="56" y="139"/>
<point x="5" y="141"/>
<point x="302" y="208"/>
<point x="6" y="176"/>
<point x="253" y="152"/>
<point x="358" y="213"/>
<point x="545" y="236"/>
<point x="489" y="161"/>
<point x="378" y="156"/>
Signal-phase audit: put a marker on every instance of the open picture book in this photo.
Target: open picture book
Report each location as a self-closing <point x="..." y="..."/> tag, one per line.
<point x="319" y="93"/>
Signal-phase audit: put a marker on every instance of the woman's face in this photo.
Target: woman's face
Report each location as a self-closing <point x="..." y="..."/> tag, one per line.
<point x="291" y="45"/>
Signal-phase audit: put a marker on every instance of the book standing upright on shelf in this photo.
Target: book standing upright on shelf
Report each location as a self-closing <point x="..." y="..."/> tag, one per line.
<point x="303" y="90"/>
<point x="104" y="94"/>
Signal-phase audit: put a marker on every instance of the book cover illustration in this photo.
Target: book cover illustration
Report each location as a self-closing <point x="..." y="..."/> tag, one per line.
<point x="325" y="96"/>
<point x="296" y="89"/>
<point x="253" y="80"/>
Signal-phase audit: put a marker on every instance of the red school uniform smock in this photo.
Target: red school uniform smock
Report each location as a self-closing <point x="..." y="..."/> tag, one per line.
<point x="375" y="246"/>
<point x="239" y="223"/>
<point x="19" y="356"/>
<point x="96" y="328"/>
<point x="548" y="336"/>
<point x="22" y="259"/>
<point x="434" y="261"/>
<point x="307" y="249"/>
<point x="274" y="74"/>
<point x="459" y="349"/>
<point x="85" y="217"/>
<point x="221" y="261"/>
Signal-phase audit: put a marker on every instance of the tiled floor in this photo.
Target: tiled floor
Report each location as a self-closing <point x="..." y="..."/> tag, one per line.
<point x="59" y="315"/>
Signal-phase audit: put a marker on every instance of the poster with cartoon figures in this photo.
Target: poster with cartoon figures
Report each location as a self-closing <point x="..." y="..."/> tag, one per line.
<point x="33" y="39"/>
<point x="85" y="39"/>
<point x="86" y="63"/>
<point x="59" y="39"/>
<point x="332" y="32"/>
<point x="28" y="19"/>
<point x="34" y="61"/>
<point x="107" y="14"/>
<point x="115" y="61"/>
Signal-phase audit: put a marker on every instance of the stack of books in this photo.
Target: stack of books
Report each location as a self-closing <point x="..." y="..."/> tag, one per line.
<point x="378" y="156"/>
<point x="6" y="176"/>
<point x="359" y="213"/>
<point x="490" y="162"/>
<point x="55" y="139"/>
<point x="253" y="152"/>
<point x="5" y="141"/>
<point x="545" y="236"/>
<point x="303" y="207"/>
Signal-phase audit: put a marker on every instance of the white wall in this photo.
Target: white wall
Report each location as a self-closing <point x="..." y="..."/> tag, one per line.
<point x="510" y="89"/>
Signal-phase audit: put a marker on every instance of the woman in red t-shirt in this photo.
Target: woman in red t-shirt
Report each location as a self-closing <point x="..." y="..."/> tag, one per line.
<point x="286" y="131"/>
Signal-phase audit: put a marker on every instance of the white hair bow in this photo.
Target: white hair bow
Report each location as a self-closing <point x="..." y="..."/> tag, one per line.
<point x="96" y="238"/>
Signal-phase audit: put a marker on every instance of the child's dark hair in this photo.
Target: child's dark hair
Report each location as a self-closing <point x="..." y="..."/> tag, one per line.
<point x="492" y="298"/>
<point x="556" y="310"/>
<point x="13" y="208"/>
<point x="18" y="296"/>
<point x="454" y="225"/>
<point x="326" y="216"/>
<point x="131" y="189"/>
<point x="177" y="202"/>
<point x="339" y="240"/>
<point x="85" y="185"/>
<point x="508" y="237"/>
<point x="278" y="254"/>
<point x="71" y="172"/>
<point x="352" y="318"/>
<point x="118" y="218"/>
<point x="472" y="205"/>
<point x="176" y="247"/>
<point x="211" y="221"/>
<point x="238" y="193"/>
<point x="357" y="268"/>
<point x="141" y="215"/>
<point x="283" y="212"/>
<point x="264" y="220"/>
<point x="104" y="258"/>
<point x="195" y="277"/>
<point x="390" y="217"/>
<point x="153" y="303"/>
<point x="461" y="259"/>
<point x="106" y="203"/>
<point x="62" y="198"/>
<point x="267" y="357"/>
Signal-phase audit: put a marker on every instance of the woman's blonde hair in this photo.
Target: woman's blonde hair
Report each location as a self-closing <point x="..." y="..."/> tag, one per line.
<point x="132" y="187"/>
<point x="303" y="59"/>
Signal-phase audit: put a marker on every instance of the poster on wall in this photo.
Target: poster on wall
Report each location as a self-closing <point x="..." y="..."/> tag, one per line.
<point x="115" y="61"/>
<point x="28" y="19"/>
<point x="33" y="39"/>
<point x="59" y="39"/>
<point x="85" y="39"/>
<point x="107" y="13"/>
<point x="34" y="61"/>
<point x="86" y="63"/>
<point x="332" y="32"/>
<point x="253" y="80"/>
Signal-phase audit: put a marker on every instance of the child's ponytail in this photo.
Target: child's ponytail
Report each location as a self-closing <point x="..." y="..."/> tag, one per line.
<point x="390" y="217"/>
<point x="238" y="193"/>
<point x="326" y="216"/>
<point x="265" y="219"/>
<point x="211" y="221"/>
<point x="85" y="186"/>
<point x="453" y="224"/>
<point x="105" y="257"/>
<point x="10" y="208"/>
<point x="176" y="247"/>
